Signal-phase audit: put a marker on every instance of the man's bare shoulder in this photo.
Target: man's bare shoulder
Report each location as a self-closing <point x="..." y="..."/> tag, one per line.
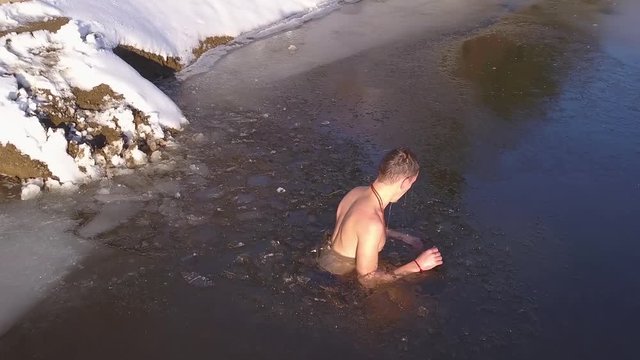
<point x="356" y="192"/>
<point x="369" y="223"/>
<point x="365" y="219"/>
<point x="349" y="200"/>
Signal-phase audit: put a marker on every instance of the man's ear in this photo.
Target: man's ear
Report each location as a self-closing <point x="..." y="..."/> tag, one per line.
<point x="406" y="183"/>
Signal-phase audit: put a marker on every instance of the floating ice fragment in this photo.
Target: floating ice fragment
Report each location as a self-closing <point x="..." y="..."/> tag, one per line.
<point x="197" y="280"/>
<point x="53" y="185"/>
<point x="239" y="244"/>
<point x="156" y="156"/>
<point x="199" y="137"/>
<point x="189" y="257"/>
<point x="30" y="192"/>
<point x="117" y="161"/>
<point x="111" y="216"/>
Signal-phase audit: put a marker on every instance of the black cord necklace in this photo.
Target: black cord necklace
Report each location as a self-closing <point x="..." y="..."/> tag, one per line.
<point x="375" y="192"/>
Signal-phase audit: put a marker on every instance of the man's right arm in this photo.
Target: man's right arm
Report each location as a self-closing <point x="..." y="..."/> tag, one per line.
<point x="367" y="258"/>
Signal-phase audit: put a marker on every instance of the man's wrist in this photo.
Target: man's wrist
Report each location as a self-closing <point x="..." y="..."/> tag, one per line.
<point x="419" y="268"/>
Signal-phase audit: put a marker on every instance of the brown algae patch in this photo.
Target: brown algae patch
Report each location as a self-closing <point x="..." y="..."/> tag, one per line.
<point x="16" y="164"/>
<point x="51" y="25"/>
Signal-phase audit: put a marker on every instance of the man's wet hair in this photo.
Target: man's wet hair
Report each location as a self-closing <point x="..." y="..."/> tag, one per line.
<point x="398" y="164"/>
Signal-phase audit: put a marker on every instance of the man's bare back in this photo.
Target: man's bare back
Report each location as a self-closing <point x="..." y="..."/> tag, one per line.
<point x="360" y="231"/>
<point x="355" y="208"/>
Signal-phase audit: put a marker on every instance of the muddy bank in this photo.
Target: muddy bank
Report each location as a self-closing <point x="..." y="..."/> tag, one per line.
<point x="89" y="137"/>
<point x="98" y="142"/>
<point x="89" y="132"/>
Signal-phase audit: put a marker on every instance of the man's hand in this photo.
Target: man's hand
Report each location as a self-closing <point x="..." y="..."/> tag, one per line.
<point x="430" y="259"/>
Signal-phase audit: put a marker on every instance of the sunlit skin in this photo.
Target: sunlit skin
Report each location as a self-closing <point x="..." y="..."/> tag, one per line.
<point x="361" y="233"/>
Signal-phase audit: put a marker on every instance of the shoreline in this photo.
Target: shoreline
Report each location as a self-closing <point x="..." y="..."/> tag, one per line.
<point x="122" y="130"/>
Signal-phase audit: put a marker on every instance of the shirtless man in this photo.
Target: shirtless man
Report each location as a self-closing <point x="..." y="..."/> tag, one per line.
<point x="360" y="231"/>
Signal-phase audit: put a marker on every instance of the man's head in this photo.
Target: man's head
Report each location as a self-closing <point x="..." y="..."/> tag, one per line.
<point x="399" y="168"/>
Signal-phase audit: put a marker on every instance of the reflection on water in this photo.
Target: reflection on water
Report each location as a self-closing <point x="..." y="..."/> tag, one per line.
<point x="620" y="35"/>
<point x="521" y="60"/>
<point x="510" y="75"/>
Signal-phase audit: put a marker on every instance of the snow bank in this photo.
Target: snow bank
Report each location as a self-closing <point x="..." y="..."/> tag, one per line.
<point x="38" y="68"/>
<point x="15" y="14"/>
<point x="56" y="53"/>
<point x="173" y="28"/>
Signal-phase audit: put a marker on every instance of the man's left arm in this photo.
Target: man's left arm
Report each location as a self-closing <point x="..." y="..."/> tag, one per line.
<point x="412" y="241"/>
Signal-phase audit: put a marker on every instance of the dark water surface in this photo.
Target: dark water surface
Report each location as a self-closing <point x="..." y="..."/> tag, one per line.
<point x="525" y="119"/>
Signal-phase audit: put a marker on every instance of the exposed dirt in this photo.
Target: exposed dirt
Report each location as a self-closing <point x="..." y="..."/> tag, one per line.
<point x="209" y="43"/>
<point x="110" y="134"/>
<point x="96" y="99"/>
<point x="172" y="63"/>
<point x="75" y="113"/>
<point x="55" y="109"/>
<point x="153" y="66"/>
<point x="51" y="25"/>
<point x="16" y="164"/>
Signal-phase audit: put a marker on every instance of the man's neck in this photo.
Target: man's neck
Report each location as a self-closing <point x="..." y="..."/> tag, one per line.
<point x="385" y="192"/>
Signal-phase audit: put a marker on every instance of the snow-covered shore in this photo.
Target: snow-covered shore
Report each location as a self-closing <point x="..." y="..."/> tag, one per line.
<point x="71" y="110"/>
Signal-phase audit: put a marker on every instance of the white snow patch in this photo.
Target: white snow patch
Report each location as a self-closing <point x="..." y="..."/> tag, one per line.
<point x="57" y="62"/>
<point x="12" y="15"/>
<point x="138" y="157"/>
<point x="30" y="192"/>
<point x="53" y="185"/>
<point x="173" y="28"/>
<point x="80" y="55"/>
<point x="110" y="217"/>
